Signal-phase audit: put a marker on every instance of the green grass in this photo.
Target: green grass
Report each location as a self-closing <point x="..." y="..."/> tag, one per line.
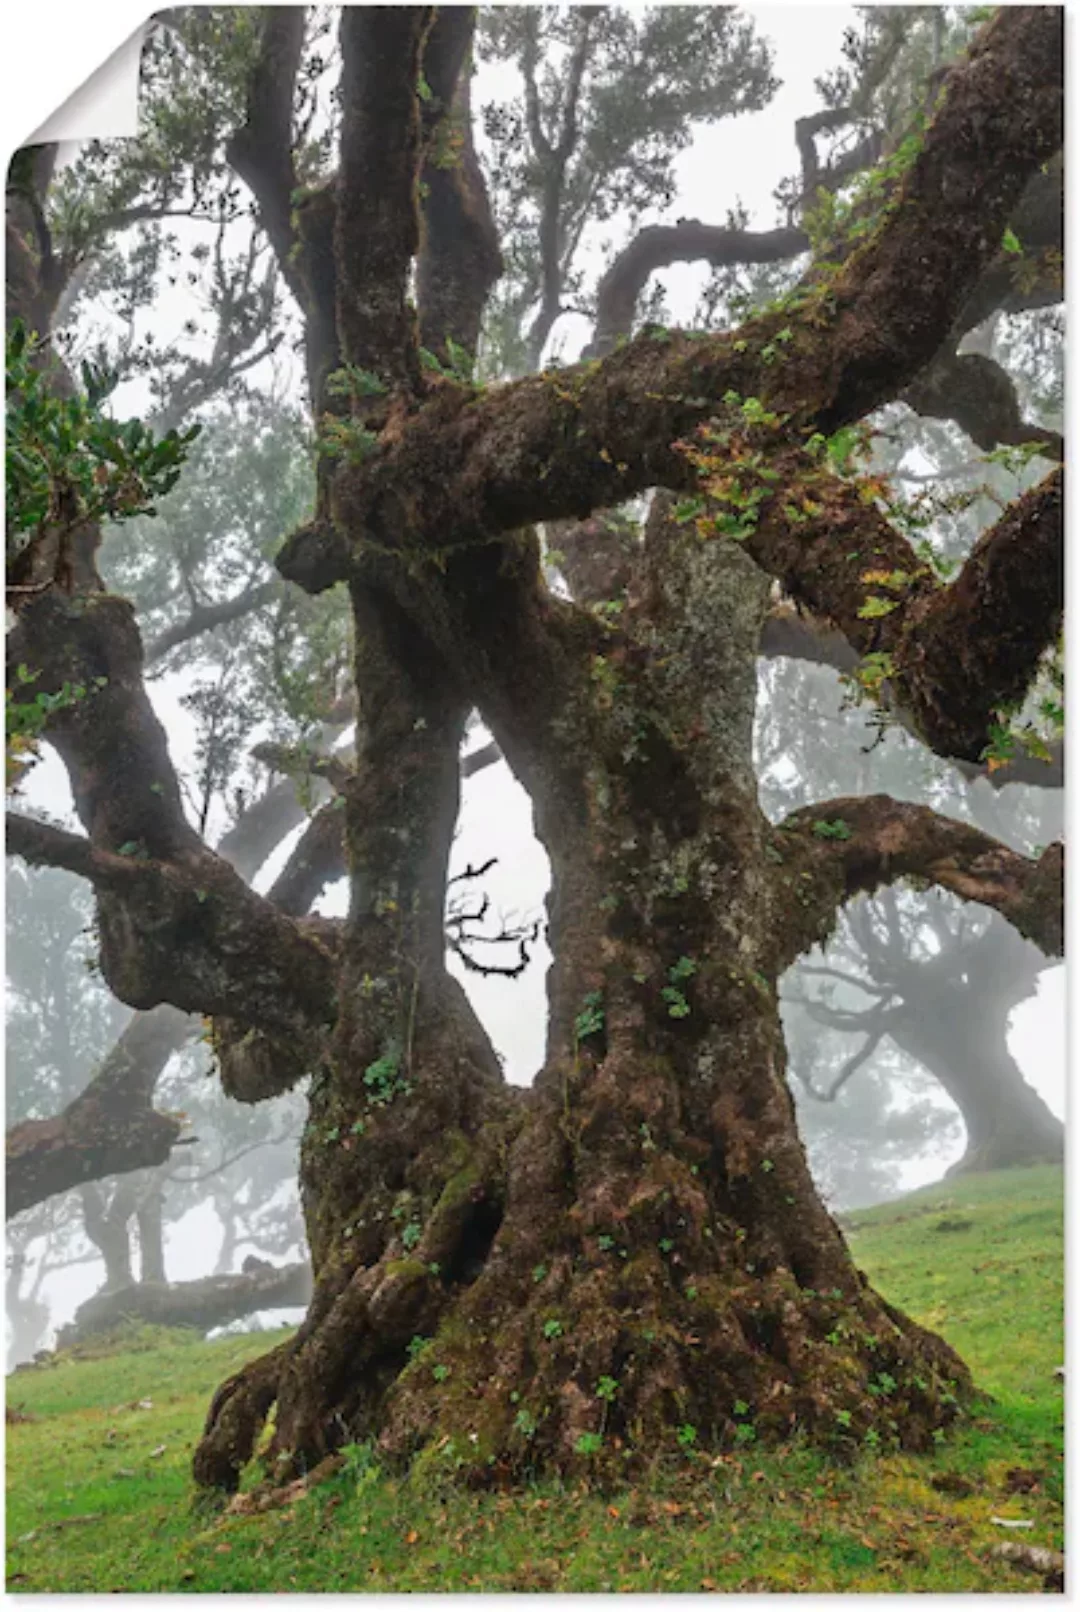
<point x="95" y="1504"/>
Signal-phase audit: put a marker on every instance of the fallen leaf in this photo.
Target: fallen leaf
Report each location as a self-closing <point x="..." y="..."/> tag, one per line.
<point x="411" y="1537"/>
<point x="159" y="1449"/>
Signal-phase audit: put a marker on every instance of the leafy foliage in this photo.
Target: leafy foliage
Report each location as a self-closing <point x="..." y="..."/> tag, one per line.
<point x="68" y="462"/>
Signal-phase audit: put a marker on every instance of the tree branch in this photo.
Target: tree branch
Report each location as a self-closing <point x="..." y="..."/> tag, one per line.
<point x="593" y="435"/>
<point x="191" y="933"/>
<point x="318" y="859"/>
<point x="979" y="396"/>
<point x="971" y="648"/>
<point x="205" y="617"/>
<point x="849" y="1068"/>
<point x="836" y="849"/>
<point x="553" y="159"/>
<point x="539" y="141"/>
<point x="260" y="151"/>
<point x="957" y="654"/>
<point x="210" y="1302"/>
<point x="659" y="245"/>
<point x="459" y="259"/>
<point x="110" y="1127"/>
<point x="795" y="634"/>
<point x="177" y="923"/>
<point x="377" y="221"/>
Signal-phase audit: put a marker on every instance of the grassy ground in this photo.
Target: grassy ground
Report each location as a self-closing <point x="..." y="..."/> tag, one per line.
<point x="100" y="1497"/>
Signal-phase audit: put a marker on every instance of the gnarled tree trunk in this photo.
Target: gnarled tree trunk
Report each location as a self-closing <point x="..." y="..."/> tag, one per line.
<point x="635" y="1246"/>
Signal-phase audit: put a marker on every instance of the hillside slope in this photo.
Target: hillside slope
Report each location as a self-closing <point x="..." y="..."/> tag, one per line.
<point x="99" y="1493"/>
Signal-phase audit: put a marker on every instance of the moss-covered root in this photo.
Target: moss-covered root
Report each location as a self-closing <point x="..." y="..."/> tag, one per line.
<point x="330" y="1381"/>
<point x="236" y="1417"/>
<point x="606" y="1370"/>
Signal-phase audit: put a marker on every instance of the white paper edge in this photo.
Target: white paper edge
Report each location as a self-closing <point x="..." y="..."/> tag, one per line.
<point x="106" y="105"/>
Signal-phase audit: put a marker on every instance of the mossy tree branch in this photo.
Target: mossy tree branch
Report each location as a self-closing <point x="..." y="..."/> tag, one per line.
<point x="837" y="849"/>
<point x="960" y="651"/>
<point x="595" y="434"/>
<point x="797" y="635"/>
<point x="190" y="933"/>
<point x="177" y="922"/>
<point x="377" y="222"/>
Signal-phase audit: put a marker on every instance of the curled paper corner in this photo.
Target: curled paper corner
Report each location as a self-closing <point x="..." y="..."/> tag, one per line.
<point x="106" y="105"/>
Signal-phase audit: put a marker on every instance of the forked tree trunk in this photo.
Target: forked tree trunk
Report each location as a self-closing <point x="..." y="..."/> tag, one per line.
<point x="633" y="1254"/>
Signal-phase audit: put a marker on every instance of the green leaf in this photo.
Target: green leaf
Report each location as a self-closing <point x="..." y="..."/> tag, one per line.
<point x="837" y="829"/>
<point x="874" y="607"/>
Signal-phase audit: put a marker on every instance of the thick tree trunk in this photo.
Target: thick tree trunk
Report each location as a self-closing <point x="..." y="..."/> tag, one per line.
<point x="571" y="1278"/>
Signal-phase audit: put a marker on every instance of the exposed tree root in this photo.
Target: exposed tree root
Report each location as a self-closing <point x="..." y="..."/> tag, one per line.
<point x="235" y="1419"/>
<point x="601" y="1334"/>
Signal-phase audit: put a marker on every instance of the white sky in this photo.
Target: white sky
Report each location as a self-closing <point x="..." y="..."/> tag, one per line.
<point x="740" y="160"/>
